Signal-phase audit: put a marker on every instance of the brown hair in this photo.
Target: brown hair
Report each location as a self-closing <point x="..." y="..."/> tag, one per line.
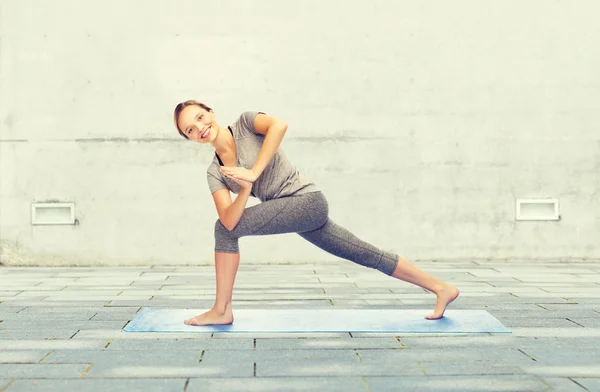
<point x="179" y="108"/>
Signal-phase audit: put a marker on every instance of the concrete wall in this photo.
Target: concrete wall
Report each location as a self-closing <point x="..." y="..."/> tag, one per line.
<point x="422" y="122"/>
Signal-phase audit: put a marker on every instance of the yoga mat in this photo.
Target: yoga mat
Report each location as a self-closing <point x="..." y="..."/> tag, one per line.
<point x="322" y="320"/>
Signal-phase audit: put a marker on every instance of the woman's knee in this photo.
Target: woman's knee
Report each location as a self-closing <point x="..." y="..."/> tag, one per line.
<point x="225" y="241"/>
<point x="220" y="229"/>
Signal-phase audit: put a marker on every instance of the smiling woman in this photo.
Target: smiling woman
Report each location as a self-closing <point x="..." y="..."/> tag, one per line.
<point x="249" y="162"/>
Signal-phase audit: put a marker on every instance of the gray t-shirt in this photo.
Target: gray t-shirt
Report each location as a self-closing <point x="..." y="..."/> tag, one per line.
<point x="279" y="179"/>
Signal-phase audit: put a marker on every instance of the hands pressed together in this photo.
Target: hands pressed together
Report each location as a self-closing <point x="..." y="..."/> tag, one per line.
<point x="244" y="177"/>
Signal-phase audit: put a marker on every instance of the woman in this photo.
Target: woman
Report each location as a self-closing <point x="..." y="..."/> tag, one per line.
<point x="249" y="162"/>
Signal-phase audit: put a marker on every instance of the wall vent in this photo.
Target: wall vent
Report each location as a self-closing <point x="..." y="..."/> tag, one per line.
<point x="53" y="213"/>
<point x="537" y="209"/>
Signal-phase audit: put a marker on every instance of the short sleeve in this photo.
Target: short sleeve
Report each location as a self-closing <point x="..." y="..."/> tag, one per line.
<point x="214" y="182"/>
<point x="246" y="121"/>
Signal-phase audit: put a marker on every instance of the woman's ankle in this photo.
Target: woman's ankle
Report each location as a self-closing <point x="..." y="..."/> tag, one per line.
<point x="222" y="308"/>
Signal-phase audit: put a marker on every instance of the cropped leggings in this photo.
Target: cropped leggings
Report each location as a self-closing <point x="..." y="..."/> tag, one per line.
<point x="307" y="215"/>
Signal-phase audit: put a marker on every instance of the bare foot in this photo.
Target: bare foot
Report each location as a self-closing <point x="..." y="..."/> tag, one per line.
<point x="212" y="317"/>
<point x="445" y="296"/>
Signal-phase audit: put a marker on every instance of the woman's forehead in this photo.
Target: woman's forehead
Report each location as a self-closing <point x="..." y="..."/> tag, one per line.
<point x="188" y="114"/>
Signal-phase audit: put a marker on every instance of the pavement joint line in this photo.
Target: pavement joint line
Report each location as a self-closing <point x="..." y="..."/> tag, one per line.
<point x="254" y="344"/>
<point x="72" y="336"/>
<point x="527" y="355"/>
<point x="254" y="373"/>
<point x="202" y="355"/>
<point x="570" y="378"/>
<point x="366" y="384"/>
<point x="185" y="386"/>
<point x="44" y="357"/>
<point x="543" y="381"/>
<point x="87" y="369"/>
<point x="7" y="385"/>
<point x="400" y="341"/>
<point x="421" y="368"/>
<point x="108" y="344"/>
<point x="568" y="319"/>
<point x="358" y="355"/>
<point x="95" y="314"/>
<point x="128" y="321"/>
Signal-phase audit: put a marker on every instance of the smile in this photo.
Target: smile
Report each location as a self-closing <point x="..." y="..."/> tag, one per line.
<point x="205" y="134"/>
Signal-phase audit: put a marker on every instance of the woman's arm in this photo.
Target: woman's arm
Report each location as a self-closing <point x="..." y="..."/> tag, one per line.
<point x="273" y="129"/>
<point x="234" y="212"/>
<point x="230" y="212"/>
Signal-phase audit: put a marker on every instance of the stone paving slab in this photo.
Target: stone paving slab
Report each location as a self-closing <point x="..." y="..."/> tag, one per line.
<point x="27" y="324"/>
<point x="563" y="370"/>
<point x="586" y="322"/>
<point x="43" y="344"/>
<point x="13" y="356"/>
<point x="37" y="334"/>
<point x="123" y="345"/>
<point x="557" y="354"/>
<point x="469" y="383"/>
<point x="114" y="385"/>
<point x="468" y="368"/>
<point x="333" y="368"/>
<point x="287" y="384"/>
<point x="43" y="370"/>
<point x="565" y="384"/>
<point x="125" y="357"/>
<point x="107" y="334"/>
<point x="449" y="355"/>
<point x="546" y="322"/>
<point x="331" y="344"/>
<point x="59" y="314"/>
<point x="556" y="332"/>
<point x="114" y="370"/>
<point x="591" y="384"/>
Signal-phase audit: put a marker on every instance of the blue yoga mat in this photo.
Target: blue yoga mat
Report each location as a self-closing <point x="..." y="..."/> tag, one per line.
<point x="322" y="320"/>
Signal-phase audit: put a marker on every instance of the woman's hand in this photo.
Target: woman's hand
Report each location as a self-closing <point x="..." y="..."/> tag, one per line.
<point x="240" y="173"/>
<point x="241" y="179"/>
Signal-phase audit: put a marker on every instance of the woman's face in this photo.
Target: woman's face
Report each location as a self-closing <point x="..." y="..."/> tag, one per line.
<point x="198" y="124"/>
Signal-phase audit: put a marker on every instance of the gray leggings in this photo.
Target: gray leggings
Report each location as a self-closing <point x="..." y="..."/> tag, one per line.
<point x="307" y="215"/>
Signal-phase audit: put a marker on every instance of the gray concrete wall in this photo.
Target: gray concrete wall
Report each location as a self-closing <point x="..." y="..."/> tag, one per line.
<point x="422" y="122"/>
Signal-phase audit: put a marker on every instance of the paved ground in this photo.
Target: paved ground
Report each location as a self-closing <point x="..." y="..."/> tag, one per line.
<point x="61" y="329"/>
